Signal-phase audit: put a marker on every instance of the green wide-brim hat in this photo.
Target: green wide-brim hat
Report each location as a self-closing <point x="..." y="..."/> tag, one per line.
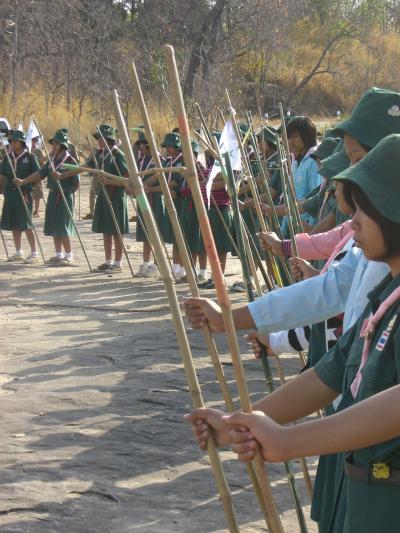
<point x="172" y="139"/>
<point x="61" y="138"/>
<point x="378" y="175"/>
<point x="107" y="131"/>
<point x="195" y="147"/>
<point x="217" y="135"/>
<point x="142" y="138"/>
<point x="326" y="148"/>
<point x="17" y="135"/>
<point x="334" y="164"/>
<point x="376" y="115"/>
<point x="267" y="134"/>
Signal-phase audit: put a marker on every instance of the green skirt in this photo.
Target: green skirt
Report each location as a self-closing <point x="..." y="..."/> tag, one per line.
<point x="190" y="226"/>
<point x="14" y="215"/>
<point x="157" y="207"/>
<point x="102" y="219"/>
<point x="222" y="241"/>
<point x="57" y="222"/>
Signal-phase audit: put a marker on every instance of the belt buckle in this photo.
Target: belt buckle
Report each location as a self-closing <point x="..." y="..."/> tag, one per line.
<point x="380" y="471"/>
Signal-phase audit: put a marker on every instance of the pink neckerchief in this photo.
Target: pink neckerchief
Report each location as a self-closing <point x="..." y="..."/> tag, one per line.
<point x="337" y="249"/>
<point x="367" y="331"/>
<point x="171" y="164"/>
<point x="141" y="161"/>
<point x="15" y="159"/>
<point x="67" y="155"/>
<point x="106" y="153"/>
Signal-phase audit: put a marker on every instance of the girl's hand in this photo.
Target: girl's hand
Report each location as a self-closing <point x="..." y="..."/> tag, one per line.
<point x="204" y="419"/>
<point x="265" y="209"/>
<point x="200" y="311"/>
<point x="302" y="269"/>
<point x="250" y="429"/>
<point x="55" y="175"/>
<point x="257" y="341"/>
<point x="18" y="182"/>
<point x="270" y="241"/>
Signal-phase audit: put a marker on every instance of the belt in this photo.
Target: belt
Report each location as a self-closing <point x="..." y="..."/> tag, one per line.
<point x="376" y="473"/>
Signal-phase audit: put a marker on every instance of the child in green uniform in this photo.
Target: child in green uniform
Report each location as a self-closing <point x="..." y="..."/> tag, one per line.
<point x="14" y="217"/>
<point x="172" y="144"/>
<point x="112" y="160"/>
<point x="147" y="269"/>
<point x="37" y="194"/>
<point x="364" y="363"/>
<point x="58" y="222"/>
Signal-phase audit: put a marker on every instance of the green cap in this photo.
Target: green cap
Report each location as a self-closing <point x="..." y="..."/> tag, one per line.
<point x="17" y="135"/>
<point x="377" y="174"/>
<point x="334" y="164"/>
<point x="172" y="139"/>
<point x="326" y="148"/>
<point x="376" y="115"/>
<point x="195" y="147"/>
<point x="61" y="138"/>
<point x="267" y="134"/>
<point x="217" y="135"/>
<point x="106" y="131"/>
<point x="142" y="138"/>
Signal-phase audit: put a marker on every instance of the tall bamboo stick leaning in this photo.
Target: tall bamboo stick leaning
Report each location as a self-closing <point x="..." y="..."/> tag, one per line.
<point x="60" y="189"/>
<point x="21" y="194"/>
<point x="184" y="253"/>
<point x="250" y="295"/>
<point x="110" y="207"/>
<point x="274" y="522"/>
<point x="4" y="244"/>
<point x="191" y="376"/>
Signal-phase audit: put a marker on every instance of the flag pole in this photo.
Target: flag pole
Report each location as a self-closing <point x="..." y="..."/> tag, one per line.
<point x="274" y="522"/>
<point x="183" y="342"/>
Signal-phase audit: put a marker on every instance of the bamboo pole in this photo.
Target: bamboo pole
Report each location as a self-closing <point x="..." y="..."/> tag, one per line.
<point x="191" y="376"/>
<point x="274" y="522"/>
<point x="21" y="194"/>
<point x="4" y="244"/>
<point x="50" y="161"/>
<point x="110" y="207"/>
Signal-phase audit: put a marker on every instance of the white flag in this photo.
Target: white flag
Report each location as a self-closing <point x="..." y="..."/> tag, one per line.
<point x="21" y="126"/>
<point x="227" y="145"/>
<point x="31" y="134"/>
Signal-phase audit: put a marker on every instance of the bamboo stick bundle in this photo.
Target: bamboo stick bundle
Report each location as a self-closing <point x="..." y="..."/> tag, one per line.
<point x="191" y="376"/>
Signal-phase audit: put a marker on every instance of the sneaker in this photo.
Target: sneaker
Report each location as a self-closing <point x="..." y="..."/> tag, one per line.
<point x="238" y="286"/>
<point x="31" y="260"/>
<point x="89" y="216"/>
<point x="204" y="283"/>
<point x="209" y="285"/>
<point x="103" y="266"/>
<point x="55" y="260"/>
<point x="67" y="261"/>
<point x="151" y="272"/>
<point x="202" y="277"/>
<point x="142" y="270"/>
<point x="133" y="219"/>
<point x="182" y="279"/>
<point x="113" y="268"/>
<point x="15" y="258"/>
<point x="35" y="214"/>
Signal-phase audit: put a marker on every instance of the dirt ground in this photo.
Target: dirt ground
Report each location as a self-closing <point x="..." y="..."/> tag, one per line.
<point x="92" y="396"/>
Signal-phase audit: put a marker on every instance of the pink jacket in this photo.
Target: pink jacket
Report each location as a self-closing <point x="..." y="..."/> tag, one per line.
<point x="321" y="245"/>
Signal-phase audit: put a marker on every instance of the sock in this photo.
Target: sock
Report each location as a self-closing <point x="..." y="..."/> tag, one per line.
<point x="34" y="254"/>
<point x="176" y="268"/>
<point x="19" y="252"/>
<point x="118" y="263"/>
<point x="182" y="271"/>
<point x="109" y="262"/>
<point x="203" y="272"/>
<point x="60" y="255"/>
<point x="146" y="264"/>
<point x="69" y="255"/>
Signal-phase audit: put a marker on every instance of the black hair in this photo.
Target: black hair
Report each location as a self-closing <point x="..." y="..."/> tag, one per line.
<point x="390" y="230"/>
<point x="347" y="192"/>
<point x="176" y="130"/>
<point x="306" y="128"/>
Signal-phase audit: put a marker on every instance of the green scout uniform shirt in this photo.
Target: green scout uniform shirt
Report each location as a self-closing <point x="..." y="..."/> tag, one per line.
<point x="26" y="165"/>
<point x="179" y="180"/>
<point x="102" y="219"/>
<point x="69" y="184"/>
<point x="364" y="507"/>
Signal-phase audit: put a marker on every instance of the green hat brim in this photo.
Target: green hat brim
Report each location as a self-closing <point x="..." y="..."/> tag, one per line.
<point x="65" y="144"/>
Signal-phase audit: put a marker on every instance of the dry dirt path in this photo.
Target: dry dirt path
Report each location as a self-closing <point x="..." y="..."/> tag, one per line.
<point x="92" y="396"/>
